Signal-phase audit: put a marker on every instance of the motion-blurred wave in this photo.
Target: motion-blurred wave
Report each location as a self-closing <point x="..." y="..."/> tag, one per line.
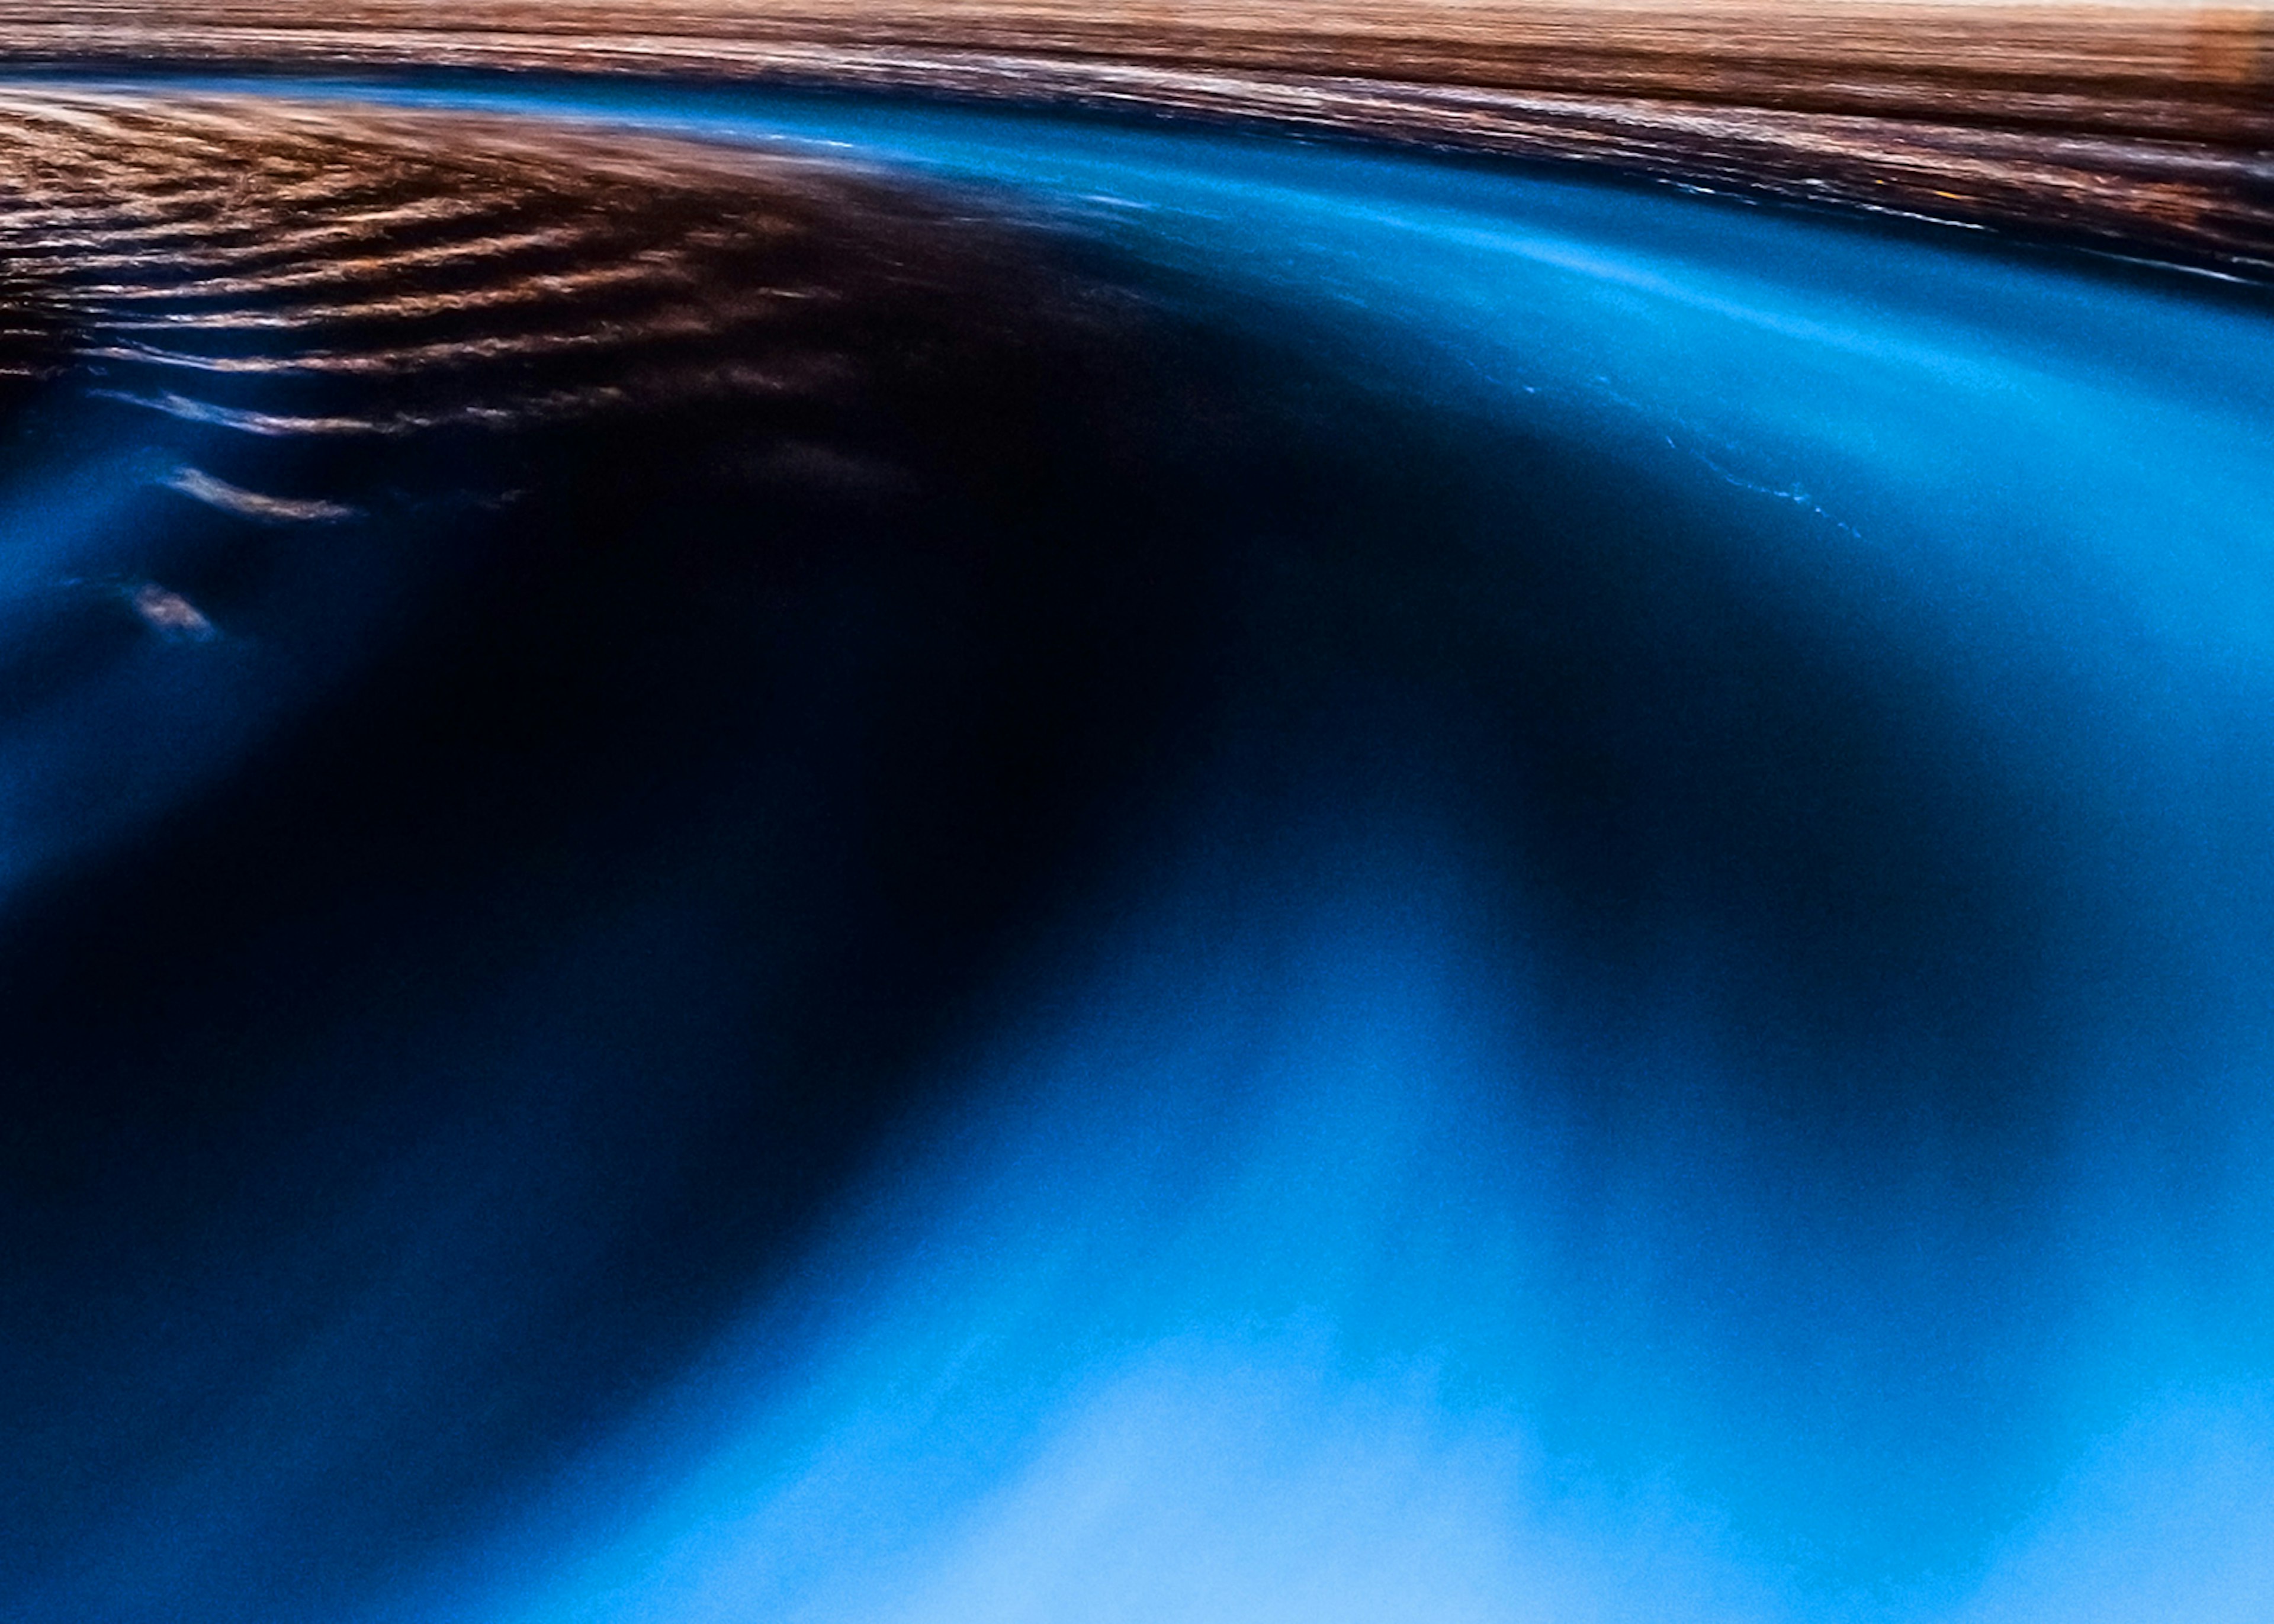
<point x="815" y="860"/>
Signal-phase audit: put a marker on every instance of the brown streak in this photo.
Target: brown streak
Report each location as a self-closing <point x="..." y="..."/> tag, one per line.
<point x="2142" y="129"/>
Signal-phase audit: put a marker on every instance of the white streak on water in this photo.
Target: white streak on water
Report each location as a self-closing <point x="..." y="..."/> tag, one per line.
<point x="201" y="486"/>
<point x="170" y="615"/>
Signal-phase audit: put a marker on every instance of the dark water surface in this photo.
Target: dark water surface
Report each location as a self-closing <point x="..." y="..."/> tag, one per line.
<point x="914" y="865"/>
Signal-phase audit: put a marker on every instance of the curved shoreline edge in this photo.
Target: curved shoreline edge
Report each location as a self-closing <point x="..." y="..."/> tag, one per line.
<point x="2144" y="131"/>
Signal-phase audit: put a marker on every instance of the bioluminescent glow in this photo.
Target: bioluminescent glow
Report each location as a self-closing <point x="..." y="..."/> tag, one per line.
<point x="1191" y="878"/>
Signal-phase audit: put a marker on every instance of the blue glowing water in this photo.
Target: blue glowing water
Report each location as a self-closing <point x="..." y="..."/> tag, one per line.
<point x="1323" y="1235"/>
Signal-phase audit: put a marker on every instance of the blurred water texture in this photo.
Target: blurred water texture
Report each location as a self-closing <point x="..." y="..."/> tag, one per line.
<point x="1385" y="889"/>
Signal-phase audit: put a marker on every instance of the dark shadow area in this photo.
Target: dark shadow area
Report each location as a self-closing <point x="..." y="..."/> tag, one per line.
<point x="660" y="788"/>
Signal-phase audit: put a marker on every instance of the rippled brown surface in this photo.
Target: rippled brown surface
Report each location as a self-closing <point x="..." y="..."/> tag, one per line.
<point x="2145" y="129"/>
<point x="270" y="275"/>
